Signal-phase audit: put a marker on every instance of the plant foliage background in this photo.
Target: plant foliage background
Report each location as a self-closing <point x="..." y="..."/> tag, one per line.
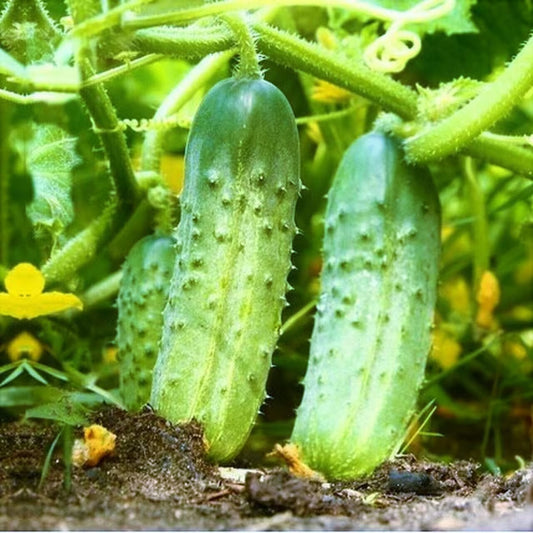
<point x="58" y="189"/>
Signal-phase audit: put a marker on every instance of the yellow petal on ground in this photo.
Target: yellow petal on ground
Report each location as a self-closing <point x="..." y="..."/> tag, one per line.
<point x="96" y="444"/>
<point x="24" y="280"/>
<point x="290" y="454"/>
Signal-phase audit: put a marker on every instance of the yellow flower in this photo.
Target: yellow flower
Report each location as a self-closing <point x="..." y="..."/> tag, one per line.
<point x="445" y="349"/>
<point x="327" y="93"/>
<point x="172" y="171"/>
<point x="488" y="297"/>
<point x="25" y="298"/>
<point x="457" y="293"/>
<point x="24" y="345"/>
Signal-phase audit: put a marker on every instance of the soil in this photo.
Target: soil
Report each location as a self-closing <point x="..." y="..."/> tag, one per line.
<point x="158" y="478"/>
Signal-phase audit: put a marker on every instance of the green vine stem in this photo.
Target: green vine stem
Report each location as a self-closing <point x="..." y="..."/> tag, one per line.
<point x="486" y="147"/>
<point x="107" y="126"/>
<point x="200" y="75"/>
<point x="248" y="57"/>
<point x="502" y="153"/>
<point x="192" y="42"/>
<point x="104" y="117"/>
<point x="127" y="67"/>
<point x="79" y="250"/>
<point x="297" y="53"/>
<point x="294" y="52"/>
<point x="494" y="101"/>
<point x="102" y="291"/>
<point x="4" y="183"/>
<point x="476" y="200"/>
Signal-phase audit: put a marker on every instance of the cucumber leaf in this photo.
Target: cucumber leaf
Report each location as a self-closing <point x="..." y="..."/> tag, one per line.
<point x="65" y="410"/>
<point x="51" y="158"/>
<point x="458" y="20"/>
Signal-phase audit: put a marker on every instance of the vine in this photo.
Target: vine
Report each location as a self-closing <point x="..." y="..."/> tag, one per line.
<point x="493" y="102"/>
<point x="249" y="59"/>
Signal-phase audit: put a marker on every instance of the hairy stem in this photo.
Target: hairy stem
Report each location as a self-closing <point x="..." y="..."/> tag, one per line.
<point x="249" y="60"/>
<point x="297" y="53"/>
<point x="102" y="291"/>
<point x="191" y="42"/>
<point x="112" y="73"/>
<point x="107" y="125"/>
<point x="486" y="147"/>
<point x="79" y="250"/>
<point x="502" y="153"/>
<point x="493" y="102"/>
<point x="103" y="115"/>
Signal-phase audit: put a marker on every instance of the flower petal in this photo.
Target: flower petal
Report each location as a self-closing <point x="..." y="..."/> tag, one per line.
<point x="24" y="280"/>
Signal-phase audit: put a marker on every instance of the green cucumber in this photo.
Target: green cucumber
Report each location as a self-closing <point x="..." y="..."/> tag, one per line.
<point x="141" y="299"/>
<point x="372" y="330"/>
<point x="234" y="242"/>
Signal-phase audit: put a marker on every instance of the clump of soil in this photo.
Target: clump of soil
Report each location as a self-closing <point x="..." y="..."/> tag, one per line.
<point x="158" y="478"/>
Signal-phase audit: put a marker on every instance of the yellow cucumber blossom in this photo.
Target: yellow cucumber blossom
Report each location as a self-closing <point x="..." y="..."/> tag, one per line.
<point x="25" y="298"/>
<point x="26" y="346"/>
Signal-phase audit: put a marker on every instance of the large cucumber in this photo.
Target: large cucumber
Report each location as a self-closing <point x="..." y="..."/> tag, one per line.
<point x="371" y="334"/>
<point x="142" y="297"/>
<point x="234" y="243"/>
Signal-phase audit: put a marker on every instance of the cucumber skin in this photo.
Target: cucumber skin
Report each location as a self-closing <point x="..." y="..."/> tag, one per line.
<point x="372" y="330"/>
<point x="234" y="241"/>
<point x="142" y="296"/>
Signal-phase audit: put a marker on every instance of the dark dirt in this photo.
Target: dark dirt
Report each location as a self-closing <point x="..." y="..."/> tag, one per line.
<point x="157" y="478"/>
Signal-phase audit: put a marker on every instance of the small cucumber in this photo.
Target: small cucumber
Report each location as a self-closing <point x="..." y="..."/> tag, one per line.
<point x="371" y="335"/>
<point x="234" y="241"/>
<point x="141" y="299"/>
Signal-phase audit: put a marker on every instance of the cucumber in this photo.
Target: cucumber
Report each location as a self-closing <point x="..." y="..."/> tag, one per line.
<point x="234" y="242"/>
<point x="372" y="330"/>
<point x="141" y="299"/>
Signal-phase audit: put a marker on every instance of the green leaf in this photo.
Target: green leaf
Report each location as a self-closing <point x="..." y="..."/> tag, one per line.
<point x="66" y="411"/>
<point x="14" y="375"/>
<point x="51" y="159"/>
<point x="28" y="395"/>
<point x="503" y="28"/>
<point x="27" y="30"/>
<point x="458" y="20"/>
<point x="33" y="373"/>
